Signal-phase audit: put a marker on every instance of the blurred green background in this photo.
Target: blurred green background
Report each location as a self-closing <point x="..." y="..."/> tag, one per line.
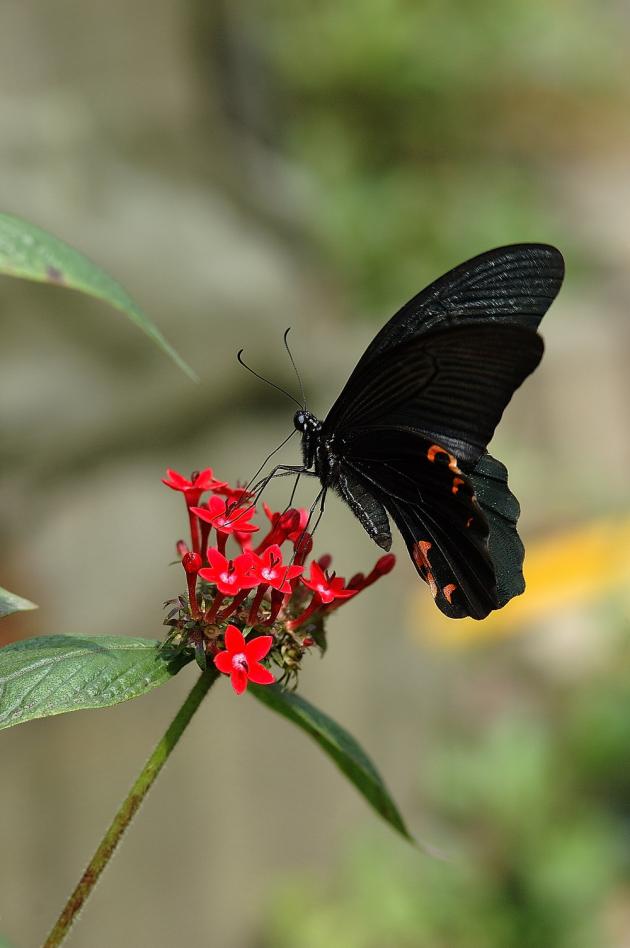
<point x="242" y="167"/>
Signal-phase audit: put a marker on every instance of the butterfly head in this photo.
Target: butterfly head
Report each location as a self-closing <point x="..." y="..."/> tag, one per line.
<point x="306" y="422"/>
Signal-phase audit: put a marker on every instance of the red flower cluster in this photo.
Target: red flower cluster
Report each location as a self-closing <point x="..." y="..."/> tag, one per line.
<point x="280" y="610"/>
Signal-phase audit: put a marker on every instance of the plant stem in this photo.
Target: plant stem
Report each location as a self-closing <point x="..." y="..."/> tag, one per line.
<point x="129" y="807"/>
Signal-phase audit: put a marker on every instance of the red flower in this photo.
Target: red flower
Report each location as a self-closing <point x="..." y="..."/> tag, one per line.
<point x="225" y="517"/>
<point x="192" y="489"/>
<point x="327" y="589"/>
<point x="234" y="493"/>
<point x="270" y="571"/>
<point x="229" y="576"/>
<point x="241" y="659"/>
<point x="289" y="525"/>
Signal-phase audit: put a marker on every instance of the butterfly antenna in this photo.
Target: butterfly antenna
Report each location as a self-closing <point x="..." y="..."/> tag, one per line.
<point x="262" y="378"/>
<point x="295" y="369"/>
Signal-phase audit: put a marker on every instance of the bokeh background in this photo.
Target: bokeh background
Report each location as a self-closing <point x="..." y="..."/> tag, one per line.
<point x="241" y="167"/>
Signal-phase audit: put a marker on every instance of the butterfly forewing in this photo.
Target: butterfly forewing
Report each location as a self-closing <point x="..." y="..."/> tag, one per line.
<point x="452" y="385"/>
<point x="514" y="284"/>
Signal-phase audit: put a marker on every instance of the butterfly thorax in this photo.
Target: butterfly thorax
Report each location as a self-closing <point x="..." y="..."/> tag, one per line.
<point x="317" y="453"/>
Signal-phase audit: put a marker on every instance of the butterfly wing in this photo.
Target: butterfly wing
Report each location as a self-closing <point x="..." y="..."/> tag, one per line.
<point x="450" y="385"/>
<point x="501" y="510"/>
<point x="437" y="378"/>
<point x="433" y="504"/>
<point x="512" y="284"/>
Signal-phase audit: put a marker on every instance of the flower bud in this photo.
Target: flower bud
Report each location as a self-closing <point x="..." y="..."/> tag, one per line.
<point x="303" y="547"/>
<point x="191" y="563"/>
<point x="356" y="581"/>
<point x="385" y="565"/>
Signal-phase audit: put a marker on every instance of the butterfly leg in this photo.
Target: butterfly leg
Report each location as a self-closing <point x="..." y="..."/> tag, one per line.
<point x="292" y="497"/>
<point x="321" y="497"/>
<point x="322" y="503"/>
<point x="281" y="470"/>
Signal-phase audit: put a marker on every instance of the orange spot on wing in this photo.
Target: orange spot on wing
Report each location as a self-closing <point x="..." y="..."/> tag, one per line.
<point x="457" y="483"/>
<point x="448" y="592"/>
<point x="421" y="559"/>
<point x="437" y="452"/>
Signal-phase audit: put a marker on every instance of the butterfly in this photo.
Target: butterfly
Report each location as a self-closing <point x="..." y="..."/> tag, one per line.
<point x="406" y="440"/>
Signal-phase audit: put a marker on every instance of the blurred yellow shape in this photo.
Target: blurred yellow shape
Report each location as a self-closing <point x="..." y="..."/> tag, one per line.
<point x="566" y="570"/>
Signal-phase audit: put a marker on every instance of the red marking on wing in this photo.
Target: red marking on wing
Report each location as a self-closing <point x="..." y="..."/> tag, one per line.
<point x="421" y="559"/>
<point x="448" y="592"/>
<point x="457" y="483"/>
<point x="437" y="452"/>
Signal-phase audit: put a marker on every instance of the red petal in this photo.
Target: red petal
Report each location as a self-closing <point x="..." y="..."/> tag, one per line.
<point x="203" y="514"/>
<point x="239" y="681"/>
<point x="209" y="574"/>
<point x="260" y="675"/>
<point x="216" y="505"/>
<point x="234" y="641"/>
<point x="179" y="482"/>
<point x="207" y="481"/>
<point x="299" y="527"/>
<point x="217" y="560"/>
<point x="243" y="562"/>
<point x="257" y="648"/>
<point x="237" y="524"/>
<point x="223" y="662"/>
<point x="317" y="574"/>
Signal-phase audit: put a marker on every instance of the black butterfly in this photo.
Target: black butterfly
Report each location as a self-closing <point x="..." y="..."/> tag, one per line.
<point x="407" y="437"/>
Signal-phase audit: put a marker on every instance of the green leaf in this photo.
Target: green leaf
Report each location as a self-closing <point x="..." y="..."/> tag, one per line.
<point x="10" y="603"/>
<point x="338" y="744"/>
<point x="57" y="673"/>
<point x="31" y="253"/>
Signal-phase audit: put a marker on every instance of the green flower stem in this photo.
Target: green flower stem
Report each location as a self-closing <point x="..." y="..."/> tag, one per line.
<point x="129" y="808"/>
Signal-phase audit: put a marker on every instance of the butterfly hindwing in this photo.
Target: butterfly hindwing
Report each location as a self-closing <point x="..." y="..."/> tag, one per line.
<point x="433" y="504"/>
<point x="501" y="510"/>
<point x="456" y="567"/>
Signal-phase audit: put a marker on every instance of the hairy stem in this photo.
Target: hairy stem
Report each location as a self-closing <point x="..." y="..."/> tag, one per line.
<point x="129" y="808"/>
